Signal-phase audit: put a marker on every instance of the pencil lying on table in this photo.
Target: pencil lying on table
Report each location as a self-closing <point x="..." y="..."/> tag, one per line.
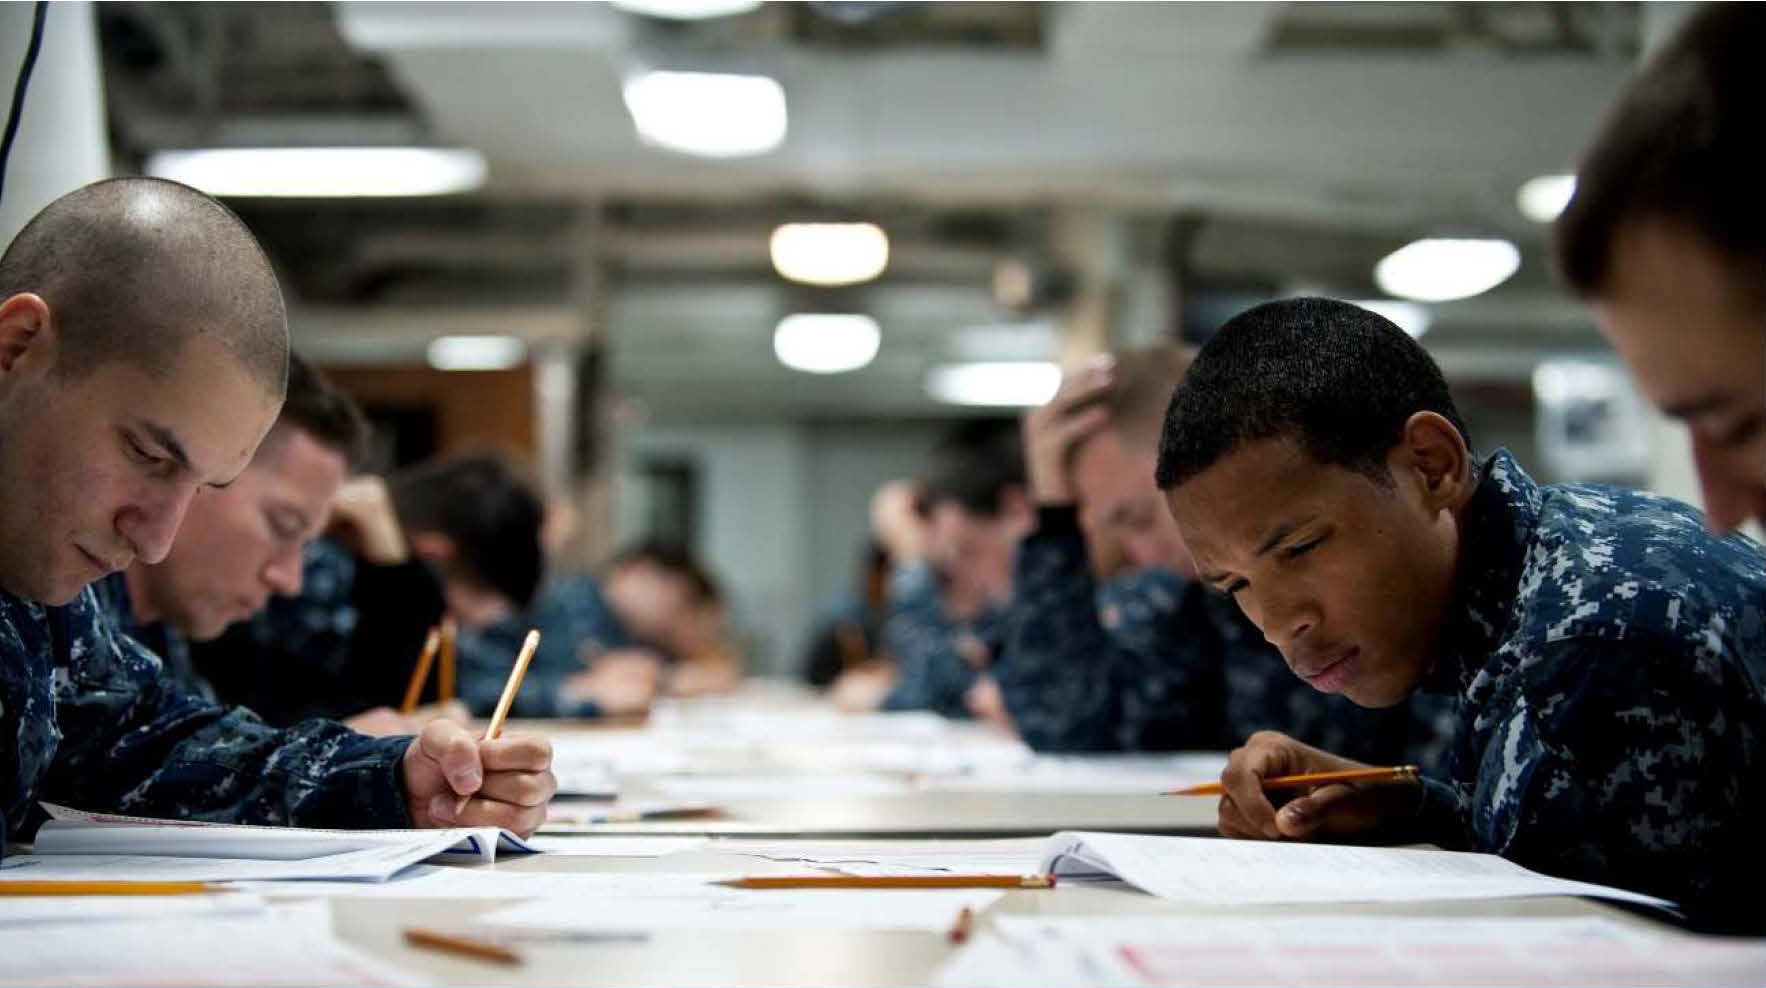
<point x="465" y="946"/>
<point x="69" y="887"/>
<point x="1402" y="774"/>
<point x="891" y="882"/>
<point x="420" y="674"/>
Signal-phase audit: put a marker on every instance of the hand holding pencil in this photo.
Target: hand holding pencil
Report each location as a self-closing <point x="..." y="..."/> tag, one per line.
<point x="1340" y="798"/>
<point x="455" y="779"/>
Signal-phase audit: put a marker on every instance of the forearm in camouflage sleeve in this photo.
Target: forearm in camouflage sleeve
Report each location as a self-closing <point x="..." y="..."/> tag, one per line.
<point x="930" y="674"/>
<point x="135" y="743"/>
<point x="1644" y="774"/>
<point x="1073" y="685"/>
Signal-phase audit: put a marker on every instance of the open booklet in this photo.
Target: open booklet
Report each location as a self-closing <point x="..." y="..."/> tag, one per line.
<point x="81" y="845"/>
<point x="1213" y="871"/>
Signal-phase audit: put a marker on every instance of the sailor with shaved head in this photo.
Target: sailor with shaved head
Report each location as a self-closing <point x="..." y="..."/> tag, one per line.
<point x="143" y="358"/>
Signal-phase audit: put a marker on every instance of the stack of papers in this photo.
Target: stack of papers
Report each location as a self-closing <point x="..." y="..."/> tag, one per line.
<point x="599" y="902"/>
<point x="105" y="847"/>
<point x="1338" y="950"/>
<point x="1236" y="873"/>
<point x="198" y="940"/>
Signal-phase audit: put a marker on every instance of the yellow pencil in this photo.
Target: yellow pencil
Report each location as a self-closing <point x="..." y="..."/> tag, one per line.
<point x="53" y="887"/>
<point x="529" y="645"/>
<point x="465" y="946"/>
<point x="1395" y="774"/>
<point x="420" y="674"/>
<point x="444" y="674"/>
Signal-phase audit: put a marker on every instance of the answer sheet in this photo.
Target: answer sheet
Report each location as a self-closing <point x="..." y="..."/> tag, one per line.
<point x="1021" y="856"/>
<point x="276" y="946"/>
<point x="1345" y="950"/>
<point x="607" y="901"/>
<point x="1248" y="872"/>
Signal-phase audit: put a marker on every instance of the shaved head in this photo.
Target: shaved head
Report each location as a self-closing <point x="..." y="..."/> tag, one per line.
<point x="134" y="269"/>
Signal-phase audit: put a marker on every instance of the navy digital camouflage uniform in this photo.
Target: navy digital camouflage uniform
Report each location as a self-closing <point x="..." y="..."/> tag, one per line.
<point x="347" y="642"/>
<point x="937" y="658"/>
<point x="1150" y="661"/>
<point x="575" y="623"/>
<point x="1610" y="725"/>
<point x="90" y="720"/>
<point x="160" y="638"/>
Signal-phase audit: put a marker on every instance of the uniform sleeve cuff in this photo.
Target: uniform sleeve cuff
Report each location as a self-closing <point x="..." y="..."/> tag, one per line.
<point x="1057" y="519"/>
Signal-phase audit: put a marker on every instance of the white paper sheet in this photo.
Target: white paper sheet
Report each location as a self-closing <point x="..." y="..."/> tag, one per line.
<point x="566" y="816"/>
<point x="641" y="902"/>
<point x="1343" y="950"/>
<point x="908" y="857"/>
<point x="72" y="831"/>
<point x="287" y="945"/>
<point x="19" y="910"/>
<point x="1144" y="774"/>
<point x="722" y="787"/>
<point x="1246" y="872"/>
<point x="611" y="846"/>
<point x="371" y="864"/>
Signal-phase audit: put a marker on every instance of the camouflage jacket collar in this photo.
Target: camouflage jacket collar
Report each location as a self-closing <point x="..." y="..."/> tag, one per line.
<point x="1494" y="531"/>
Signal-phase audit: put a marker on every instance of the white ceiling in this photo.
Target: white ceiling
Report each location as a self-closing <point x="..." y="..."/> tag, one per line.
<point x="1302" y="165"/>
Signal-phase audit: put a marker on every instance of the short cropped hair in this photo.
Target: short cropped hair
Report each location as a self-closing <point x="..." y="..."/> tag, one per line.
<point x="316" y="407"/>
<point x="974" y="466"/>
<point x="1682" y="145"/>
<point x="132" y="269"/>
<point x="677" y="562"/>
<point x="1331" y="376"/>
<point x="1142" y="380"/>
<point x="489" y="510"/>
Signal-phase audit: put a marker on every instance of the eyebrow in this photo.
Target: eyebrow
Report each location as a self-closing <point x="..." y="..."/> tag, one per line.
<point x="1270" y="541"/>
<point x="168" y="442"/>
<point x="1281" y="532"/>
<point x="1694" y="407"/>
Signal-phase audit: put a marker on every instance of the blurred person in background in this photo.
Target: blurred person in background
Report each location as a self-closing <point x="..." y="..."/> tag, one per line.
<point x="651" y="620"/>
<point x="1666" y="238"/>
<point x="849" y="633"/>
<point x="457" y="536"/>
<point x="951" y="538"/>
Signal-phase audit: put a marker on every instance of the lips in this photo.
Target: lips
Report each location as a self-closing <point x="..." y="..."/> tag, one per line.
<point x="1329" y="675"/>
<point x="103" y="567"/>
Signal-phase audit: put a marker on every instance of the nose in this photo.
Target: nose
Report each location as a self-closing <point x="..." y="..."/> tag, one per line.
<point x="283" y="572"/>
<point x="1733" y="490"/>
<point x="1285" y="619"/>
<point x="150" y="523"/>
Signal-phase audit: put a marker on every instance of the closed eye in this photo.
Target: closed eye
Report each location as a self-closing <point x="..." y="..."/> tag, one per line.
<point x="1744" y="431"/>
<point x="140" y="454"/>
<point x="1296" y="551"/>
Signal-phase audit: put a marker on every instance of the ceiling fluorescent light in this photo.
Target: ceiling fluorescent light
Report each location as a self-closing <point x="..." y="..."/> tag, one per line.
<point x="1542" y="199"/>
<point x="711" y="114"/>
<point x="830" y="253"/>
<point x="826" y="343"/>
<point x="1411" y="317"/>
<point x="463" y="353"/>
<point x="1011" y="383"/>
<point x="687" y="10"/>
<point x="1440" y="270"/>
<point x="317" y="173"/>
